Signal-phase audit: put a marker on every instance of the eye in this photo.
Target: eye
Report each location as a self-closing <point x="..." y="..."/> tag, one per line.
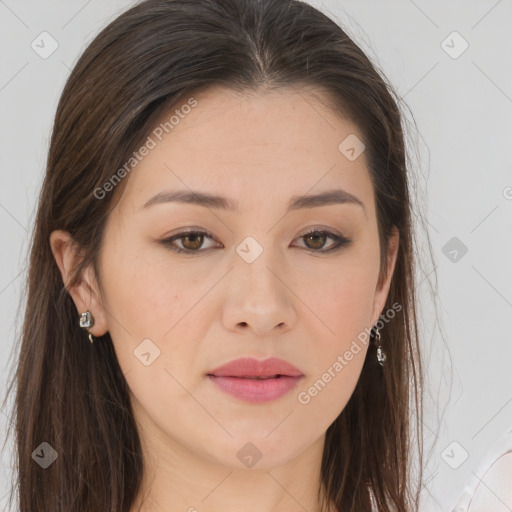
<point x="315" y="239"/>
<point x="192" y="241"/>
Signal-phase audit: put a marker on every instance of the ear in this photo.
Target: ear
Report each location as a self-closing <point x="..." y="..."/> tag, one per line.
<point x="85" y="294"/>
<point x="384" y="282"/>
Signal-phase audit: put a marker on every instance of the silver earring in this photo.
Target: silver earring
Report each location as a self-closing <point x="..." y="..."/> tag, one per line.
<point x="381" y="356"/>
<point x="86" y="321"/>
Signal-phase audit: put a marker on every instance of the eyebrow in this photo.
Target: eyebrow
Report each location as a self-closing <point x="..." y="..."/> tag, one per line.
<point x="336" y="196"/>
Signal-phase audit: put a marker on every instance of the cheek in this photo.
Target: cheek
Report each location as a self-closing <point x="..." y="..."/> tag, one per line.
<point x="342" y="314"/>
<point x="340" y="346"/>
<point x="153" y="326"/>
<point x="147" y="300"/>
<point x="343" y="303"/>
<point x="147" y="295"/>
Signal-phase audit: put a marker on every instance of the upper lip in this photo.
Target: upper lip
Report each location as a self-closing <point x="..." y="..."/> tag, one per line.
<point x="250" y="367"/>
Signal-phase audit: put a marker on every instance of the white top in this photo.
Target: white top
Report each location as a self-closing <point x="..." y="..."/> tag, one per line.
<point x="490" y="489"/>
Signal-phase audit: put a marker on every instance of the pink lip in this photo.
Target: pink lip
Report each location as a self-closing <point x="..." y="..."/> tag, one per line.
<point x="234" y="378"/>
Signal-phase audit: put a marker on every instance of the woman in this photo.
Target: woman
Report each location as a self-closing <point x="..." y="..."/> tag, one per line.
<point x="226" y="217"/>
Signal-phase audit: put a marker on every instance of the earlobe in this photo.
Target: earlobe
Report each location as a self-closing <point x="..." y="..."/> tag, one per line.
<point x="394" y="242"/>
<point x="384" y="282"/>
<point x="67" y="258"/>
<point x="61" y="245"/>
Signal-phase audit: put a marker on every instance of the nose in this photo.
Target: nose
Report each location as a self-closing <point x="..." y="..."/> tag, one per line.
<point x="259" y="298"/>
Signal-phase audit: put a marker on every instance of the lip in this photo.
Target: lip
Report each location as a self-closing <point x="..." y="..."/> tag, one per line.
<point x="238" y="378"/>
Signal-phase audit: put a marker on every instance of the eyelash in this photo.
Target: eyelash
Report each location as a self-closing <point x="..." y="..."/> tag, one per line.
<point x="341" y="241"/>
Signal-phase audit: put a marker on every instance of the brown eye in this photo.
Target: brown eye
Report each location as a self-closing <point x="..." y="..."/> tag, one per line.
<point x="193" y="241"/>
<point x="316" y="239"/>
<point x="190" y="241"/>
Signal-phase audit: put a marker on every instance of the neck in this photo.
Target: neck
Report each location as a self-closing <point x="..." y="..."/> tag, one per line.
<point x="178" y="479"/>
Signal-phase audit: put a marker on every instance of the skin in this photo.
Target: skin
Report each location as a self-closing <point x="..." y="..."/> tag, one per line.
<point x="205" y="309"/>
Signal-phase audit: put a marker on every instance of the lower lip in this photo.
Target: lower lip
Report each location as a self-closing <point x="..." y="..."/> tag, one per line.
<point x="256" y="390"/>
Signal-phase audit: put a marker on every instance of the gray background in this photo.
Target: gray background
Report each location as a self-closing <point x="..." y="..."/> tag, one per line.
<point x="462" y="107"/>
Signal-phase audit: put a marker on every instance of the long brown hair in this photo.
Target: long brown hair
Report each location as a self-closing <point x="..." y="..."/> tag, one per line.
<point x="73" y="395"/>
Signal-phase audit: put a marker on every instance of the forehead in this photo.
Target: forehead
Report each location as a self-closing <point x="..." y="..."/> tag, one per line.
<point x="285" y="142"/>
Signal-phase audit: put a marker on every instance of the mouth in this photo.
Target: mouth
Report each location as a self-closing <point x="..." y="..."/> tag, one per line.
<point x="249" y="367"/>
<point x="255" y="390"/>
<point x="253" y="377"/>
<point x="256" y="381"/>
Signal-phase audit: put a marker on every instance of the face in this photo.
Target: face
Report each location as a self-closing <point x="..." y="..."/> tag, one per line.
<point x="257" y="279"/>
